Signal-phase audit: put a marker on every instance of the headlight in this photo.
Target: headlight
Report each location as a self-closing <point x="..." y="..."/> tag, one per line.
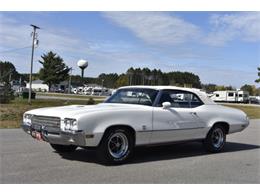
<point x="27" y="119"/>
<point x="70" y="124"/>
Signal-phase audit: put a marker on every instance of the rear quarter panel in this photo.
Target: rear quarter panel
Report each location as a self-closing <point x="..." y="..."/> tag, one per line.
<point x="214" y="113"/>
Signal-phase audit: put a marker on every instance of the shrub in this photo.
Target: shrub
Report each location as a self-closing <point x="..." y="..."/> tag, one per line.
<point x="91" y="101"/>
<point x="6" y="94"/>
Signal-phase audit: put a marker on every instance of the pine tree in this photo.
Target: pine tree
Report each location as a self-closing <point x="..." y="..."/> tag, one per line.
<point x="54" y="69"/>
<point x="258" y="80"/>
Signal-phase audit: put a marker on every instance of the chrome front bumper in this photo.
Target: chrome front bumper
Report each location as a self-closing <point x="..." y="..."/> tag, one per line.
<point x="62" y="138"/>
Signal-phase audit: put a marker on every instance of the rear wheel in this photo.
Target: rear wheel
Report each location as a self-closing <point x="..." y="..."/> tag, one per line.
<point x="63" y="148"/>
<point x="215" y="139"/>
<point x="116" y="146"/>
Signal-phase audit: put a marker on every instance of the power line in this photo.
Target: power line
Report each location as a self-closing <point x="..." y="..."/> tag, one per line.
<point x="15" y="49"/>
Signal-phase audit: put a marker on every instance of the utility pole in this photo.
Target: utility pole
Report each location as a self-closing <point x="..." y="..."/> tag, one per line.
<point x="33" y="42"/>
<point x="70" y="80"/>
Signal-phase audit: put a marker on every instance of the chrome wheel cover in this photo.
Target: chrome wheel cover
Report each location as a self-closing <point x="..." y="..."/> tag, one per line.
<point x="118" y="145"/>
<point x="217" y="138"/>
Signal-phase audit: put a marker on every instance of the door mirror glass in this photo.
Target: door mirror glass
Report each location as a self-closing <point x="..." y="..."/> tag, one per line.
<point x="166" y="105"/>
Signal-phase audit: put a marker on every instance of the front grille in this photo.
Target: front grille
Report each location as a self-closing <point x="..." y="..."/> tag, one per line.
<point x="47" y="123"/>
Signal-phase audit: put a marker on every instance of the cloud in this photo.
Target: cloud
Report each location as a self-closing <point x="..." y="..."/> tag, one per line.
<point x="164" y="29"/>
<point x="156" y="27"/>
<point x="14" y="35"/>
<point x="227" y="27"/>
<point x="160" y="31"/>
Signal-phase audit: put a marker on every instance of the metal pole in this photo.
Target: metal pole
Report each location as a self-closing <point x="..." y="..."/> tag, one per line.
<point x="70" y="80"/>
<point x="82" y="73"/>
<point x="30" y="84"/>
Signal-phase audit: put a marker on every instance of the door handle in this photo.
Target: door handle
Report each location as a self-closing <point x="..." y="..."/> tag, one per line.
<point x="193" y="113"/>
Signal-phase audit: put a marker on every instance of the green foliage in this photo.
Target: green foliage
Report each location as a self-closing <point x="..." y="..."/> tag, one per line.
<point x="54" y="69"/>
<point x="121" y="81"/>
<point x="252" y="90"/>
<point x="210" y="88"/>
<point x="77" y="80"/>
<point x="6" y="94"/>
<point x="109" y="80"/>
<point x="258" y="80"/>
<point x="183" y="78"/>
<point x="91" y="101"/>
<point x="145" y="76"/>
<point x="8" y="72"/>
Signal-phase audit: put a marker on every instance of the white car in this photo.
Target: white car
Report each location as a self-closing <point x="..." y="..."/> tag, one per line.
<point x="135" y="116"/>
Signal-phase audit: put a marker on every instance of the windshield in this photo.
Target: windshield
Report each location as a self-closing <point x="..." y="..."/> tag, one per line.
<point x="133" y="96"/>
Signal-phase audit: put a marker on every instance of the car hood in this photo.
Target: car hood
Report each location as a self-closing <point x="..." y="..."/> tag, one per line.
<point x="75" y="111"/>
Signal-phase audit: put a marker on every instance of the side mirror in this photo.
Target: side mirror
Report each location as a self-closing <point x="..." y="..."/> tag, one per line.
<point x="166" y="105"/>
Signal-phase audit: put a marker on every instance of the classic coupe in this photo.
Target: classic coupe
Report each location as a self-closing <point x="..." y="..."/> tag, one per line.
<point x="135" y="116"/>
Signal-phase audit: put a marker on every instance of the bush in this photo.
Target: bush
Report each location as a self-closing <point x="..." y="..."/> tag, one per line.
<point x="6" y="94"/>
<point x="91" y="101"/>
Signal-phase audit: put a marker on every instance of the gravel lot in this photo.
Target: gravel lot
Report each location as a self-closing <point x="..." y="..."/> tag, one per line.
<point x="24" y="160"/>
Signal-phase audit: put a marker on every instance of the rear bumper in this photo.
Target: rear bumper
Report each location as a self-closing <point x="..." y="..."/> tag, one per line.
<point x="62" y="138"/>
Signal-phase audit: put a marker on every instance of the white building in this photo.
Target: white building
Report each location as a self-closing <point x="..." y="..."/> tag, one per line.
<point x="38" y="85"/>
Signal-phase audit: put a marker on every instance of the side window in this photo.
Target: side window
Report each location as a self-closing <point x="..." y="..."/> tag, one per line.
<point x="230" y="94"/>
<point x="180" y="99"/>
<point x="195" y="101"/>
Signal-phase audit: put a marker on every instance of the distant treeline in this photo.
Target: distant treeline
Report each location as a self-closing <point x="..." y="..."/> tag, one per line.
<point x="137" y="76"/>
<point x="133" y="76"/>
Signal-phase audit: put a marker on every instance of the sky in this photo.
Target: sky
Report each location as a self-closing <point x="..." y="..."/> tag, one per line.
<point x="220" y="47"/>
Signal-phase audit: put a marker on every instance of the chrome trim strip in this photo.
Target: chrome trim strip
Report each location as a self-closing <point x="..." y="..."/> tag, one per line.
<point x="141" y="131"/>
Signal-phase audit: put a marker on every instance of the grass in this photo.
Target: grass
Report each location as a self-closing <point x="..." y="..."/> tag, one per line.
<point x="253" y="112"/>
<point x="11" y="114"/>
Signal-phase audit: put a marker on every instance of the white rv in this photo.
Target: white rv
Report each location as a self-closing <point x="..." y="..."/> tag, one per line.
<point x="243" y="96"/>
<point x="224" y="96"/>
<point x="96" y="91"/>
<point x="87" y="90"/>
<point x="230" y="96"/>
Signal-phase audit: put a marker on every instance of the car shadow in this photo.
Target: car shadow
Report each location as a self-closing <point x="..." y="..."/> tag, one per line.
<point x="158" y="153"/>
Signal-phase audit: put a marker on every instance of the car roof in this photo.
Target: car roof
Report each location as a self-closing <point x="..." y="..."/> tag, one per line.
<point x="202" y="94"/>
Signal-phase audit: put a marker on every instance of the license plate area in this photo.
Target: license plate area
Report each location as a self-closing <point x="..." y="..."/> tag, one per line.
<point x="36" y="135"/>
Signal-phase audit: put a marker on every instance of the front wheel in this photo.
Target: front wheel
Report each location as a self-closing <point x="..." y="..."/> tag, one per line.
<point x="63" y="148"/>
<point x="116" y="146"/>
<point x="215" y="139"/>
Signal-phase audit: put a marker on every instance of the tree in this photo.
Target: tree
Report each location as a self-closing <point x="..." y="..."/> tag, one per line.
<point x="54" y="69"/>
<point x="109" y="80"/>
<point x="122" y="81"/>
<point x="250" y="88"/>
<point x="8" y="72"/>
<point x="183" y="78"/>
<point x="209" y="88"/>
<point x="258" y="80"/>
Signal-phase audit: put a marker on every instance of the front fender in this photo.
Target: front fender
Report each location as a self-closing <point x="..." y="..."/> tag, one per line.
<point x="97" y="123"/>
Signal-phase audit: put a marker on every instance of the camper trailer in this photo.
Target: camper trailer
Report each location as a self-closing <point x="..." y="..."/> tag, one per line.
<point x="243" y="96"/>
<point x="230" y="96"/>
<point x="87" y="90"/>
<point x="96" y="91"/>
<point x="224" y="96"/>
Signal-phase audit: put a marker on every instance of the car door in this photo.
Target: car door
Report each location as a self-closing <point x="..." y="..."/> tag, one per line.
<point x="179" y="121"/>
